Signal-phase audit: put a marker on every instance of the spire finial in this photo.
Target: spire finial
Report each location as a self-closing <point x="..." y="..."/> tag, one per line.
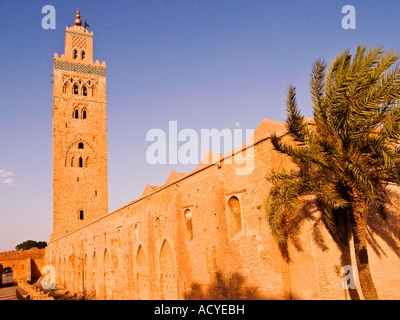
<point x="78" y="20"/>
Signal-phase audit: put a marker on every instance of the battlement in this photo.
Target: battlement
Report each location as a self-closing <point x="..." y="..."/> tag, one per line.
<point x="33" y="253"/>
<point x="80" y="30"/>
<point x="95" y="64"/>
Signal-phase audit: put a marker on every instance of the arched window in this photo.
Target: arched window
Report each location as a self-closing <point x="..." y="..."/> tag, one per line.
<point x="80" y="162"/>
<point x="136" y="231"/>
<point x="158" y="228"/>
<point x="75" y="54"/>
<point x="168" y="284"/>
<point x="76" y="114"/>
<point x="93" y="91"/>
<point x="81" y="215"/>
<point x="84" y="91"/>
<point x="83" y="114"/>
<point x="235" y="216"/>
<point x="83" y="55"/>
<point x="76" y="89"/>
<point x="80" y="145"/>
<point x="189" y="223"/>
<point x="66" y="88"/>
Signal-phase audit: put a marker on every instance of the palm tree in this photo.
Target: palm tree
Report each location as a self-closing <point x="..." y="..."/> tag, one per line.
<point x="347" y="155"/>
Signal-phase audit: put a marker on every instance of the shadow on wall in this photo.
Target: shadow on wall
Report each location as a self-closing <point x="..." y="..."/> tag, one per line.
<point x="35" y="272"/>
<point x="387" y="230"/>
<point x="232" y="288"/>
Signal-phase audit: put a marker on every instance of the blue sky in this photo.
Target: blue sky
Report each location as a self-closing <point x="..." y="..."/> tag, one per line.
<point x="205" y="64"/>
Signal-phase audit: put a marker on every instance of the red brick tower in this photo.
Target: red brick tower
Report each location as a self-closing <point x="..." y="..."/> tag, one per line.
<point x="80" y="192"/>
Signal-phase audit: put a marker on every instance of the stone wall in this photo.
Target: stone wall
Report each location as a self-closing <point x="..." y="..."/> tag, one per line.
<point x="204" y="235"/>
<point x="26" y="264"/>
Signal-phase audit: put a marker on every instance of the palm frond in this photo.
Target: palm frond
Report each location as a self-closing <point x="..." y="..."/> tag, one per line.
<point x="295" y="124"/>
<point x="352" y="150"/>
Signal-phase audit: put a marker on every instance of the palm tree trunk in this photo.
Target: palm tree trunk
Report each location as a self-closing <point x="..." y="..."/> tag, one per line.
<point x="360" y="248"/>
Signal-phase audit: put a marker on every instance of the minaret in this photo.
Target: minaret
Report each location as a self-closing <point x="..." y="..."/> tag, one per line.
<point x="80" y="191"/>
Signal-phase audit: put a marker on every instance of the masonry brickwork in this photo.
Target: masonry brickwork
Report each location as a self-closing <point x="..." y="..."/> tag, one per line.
<point x="26" y="264"/>
<point x="201" y="234"/>
<point x="80" y="189"/>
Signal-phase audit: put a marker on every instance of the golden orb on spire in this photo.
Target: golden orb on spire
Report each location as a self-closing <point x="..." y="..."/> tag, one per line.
<point x="78" y="20"/>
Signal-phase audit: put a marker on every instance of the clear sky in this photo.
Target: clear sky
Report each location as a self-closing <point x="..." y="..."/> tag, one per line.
<point x="205" y="64"/>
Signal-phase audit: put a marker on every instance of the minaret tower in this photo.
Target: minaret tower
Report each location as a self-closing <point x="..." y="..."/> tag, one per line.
<point x="80" y="192"/>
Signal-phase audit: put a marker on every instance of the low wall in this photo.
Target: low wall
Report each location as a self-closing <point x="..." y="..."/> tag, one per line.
<point x="26" y="264"/>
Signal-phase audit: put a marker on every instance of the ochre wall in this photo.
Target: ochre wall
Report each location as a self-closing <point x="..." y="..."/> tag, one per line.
<point x="26" y="264"/>
<point x="144" y="250"/>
